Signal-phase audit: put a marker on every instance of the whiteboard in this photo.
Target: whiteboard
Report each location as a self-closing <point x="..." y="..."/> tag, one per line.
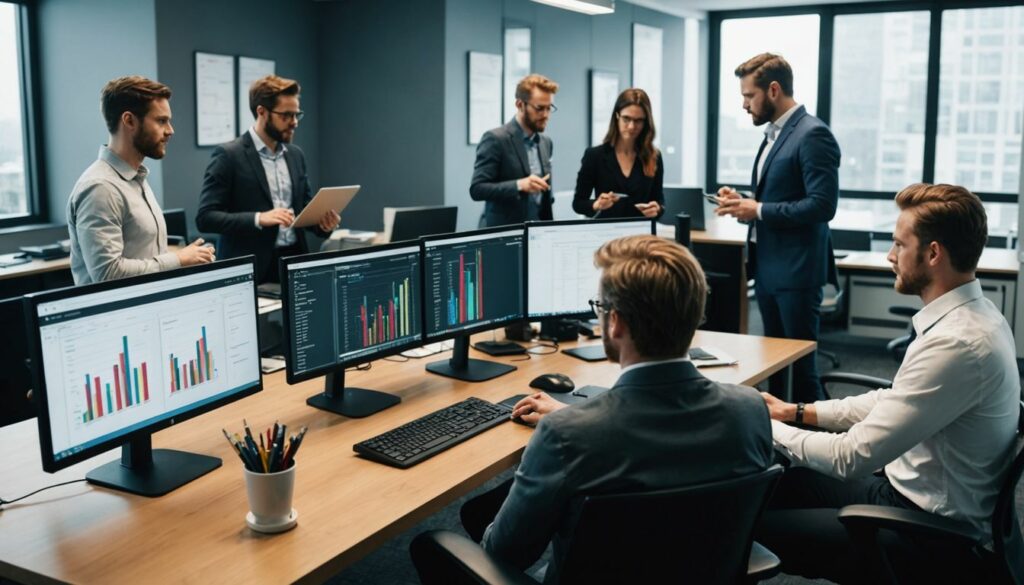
<point x="647" y="59"/>
<point x="604" y="90"/>
<point x="484" y="94"/>
<point x="215" y="99"/>
<point x="249" y="70"/>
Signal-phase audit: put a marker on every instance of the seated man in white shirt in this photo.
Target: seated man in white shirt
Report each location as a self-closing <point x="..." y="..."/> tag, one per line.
<point x="944" y="433"/>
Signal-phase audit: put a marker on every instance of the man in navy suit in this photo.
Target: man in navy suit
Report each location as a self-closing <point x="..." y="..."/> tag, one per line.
<point x="256" y="184"/>
<point x="512" y="173"/>
<point x="796" y="189"/>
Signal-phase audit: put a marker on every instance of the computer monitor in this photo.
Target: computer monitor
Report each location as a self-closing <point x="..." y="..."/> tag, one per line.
<point x="177" y="225"/>
<point x="473" y="281"/>
<point x="560" y="276"/>
<point x="689" y="200"/>
<point x="345" y="308"/>
<point x="15" y="376"/>
<point x="411" y="223"/>
<point x="117" y="361"/>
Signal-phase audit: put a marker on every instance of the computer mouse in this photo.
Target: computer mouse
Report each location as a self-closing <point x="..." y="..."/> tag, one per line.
<point x="557" y="383"/>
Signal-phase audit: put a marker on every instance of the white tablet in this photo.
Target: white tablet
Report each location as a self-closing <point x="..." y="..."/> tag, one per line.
<point x="327" y="198"/>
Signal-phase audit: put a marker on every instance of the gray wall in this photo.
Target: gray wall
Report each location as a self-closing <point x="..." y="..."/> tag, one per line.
<point x="566" y="46"/>
<point x="82" y="45"/>
<point x="382" y="74"/>
<point x="268" y="29"/>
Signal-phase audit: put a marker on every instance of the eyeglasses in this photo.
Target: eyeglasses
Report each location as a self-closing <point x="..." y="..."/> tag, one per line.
<point x="550" y="109"/>
<point x="630" y="121"/>
<point x="598" y="307"/>
<point x="290" y="115"/>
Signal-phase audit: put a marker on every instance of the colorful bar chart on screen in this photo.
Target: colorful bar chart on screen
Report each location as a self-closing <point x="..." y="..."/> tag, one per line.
<point x="386" y="320"/>
<point x="190" y="372"/>
<point x="130" y="387"/>
<point x="466" y="286"/>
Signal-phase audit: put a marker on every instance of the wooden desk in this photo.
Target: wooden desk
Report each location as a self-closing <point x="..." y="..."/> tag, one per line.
<point x="868" y="280"/>
<point x="347" y="506"/>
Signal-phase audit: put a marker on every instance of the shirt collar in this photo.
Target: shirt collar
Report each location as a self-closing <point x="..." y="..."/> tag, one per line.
<point x="262" y="146"/>
<point x="940" y="307"/>
<point x="121" y="167"/>
<point x="772" y="129"/>
<point x="522" y="133"/>
<point x="653" y="363"/>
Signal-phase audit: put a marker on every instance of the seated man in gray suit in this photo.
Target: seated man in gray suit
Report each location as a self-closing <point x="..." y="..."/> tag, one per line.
<point x="661" y="425"/>
<point x="513" y="162"/>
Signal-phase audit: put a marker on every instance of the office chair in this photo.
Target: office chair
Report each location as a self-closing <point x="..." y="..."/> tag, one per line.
<point x="898" y="346"/>
<point x="697" y="534"/>
<point x="831" y="307"/>
<point x="867" y="526"/>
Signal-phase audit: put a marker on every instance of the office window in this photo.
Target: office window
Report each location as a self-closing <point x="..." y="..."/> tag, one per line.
<point x="994" y="108"/>
<point x="879" y="80"/>
<point x="793" y="37"/>
<point x="517" y="65"/>
<point x="14" y="195"/>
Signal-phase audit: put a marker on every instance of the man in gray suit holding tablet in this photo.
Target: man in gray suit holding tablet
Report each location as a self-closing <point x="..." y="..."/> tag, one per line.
<point x="512" y="173"/>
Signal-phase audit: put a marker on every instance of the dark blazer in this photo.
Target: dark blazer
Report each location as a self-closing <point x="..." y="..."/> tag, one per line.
<point x="800" y="190"/>
<point x="600" y="173"/>
<point x="235" y="188"/>
<point x="501" y="161"/>
<point x="660" y="426"/>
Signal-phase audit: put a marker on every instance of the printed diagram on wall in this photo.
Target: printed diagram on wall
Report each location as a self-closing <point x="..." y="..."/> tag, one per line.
<point x="647" y="60"/>
<point x="485" y="75"/>
<point x="604" y="90"/>
<point x="249" y="70"/>
<point x="215" y="99"/>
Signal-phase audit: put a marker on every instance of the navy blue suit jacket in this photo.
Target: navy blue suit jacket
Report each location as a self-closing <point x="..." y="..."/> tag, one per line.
<point x="799" y="188"/>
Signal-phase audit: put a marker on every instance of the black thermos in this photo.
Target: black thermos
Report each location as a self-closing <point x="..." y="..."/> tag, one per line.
<point x="683" y="229"/>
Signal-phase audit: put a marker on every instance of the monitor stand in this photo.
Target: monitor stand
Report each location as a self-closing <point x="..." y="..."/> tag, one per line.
<point x="350" y="402"/>
<point x="150" y="472"/>
<point x="461" y="367"/>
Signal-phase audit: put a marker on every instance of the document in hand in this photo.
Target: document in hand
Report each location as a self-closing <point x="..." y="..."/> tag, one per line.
<point x="327" y="198"/>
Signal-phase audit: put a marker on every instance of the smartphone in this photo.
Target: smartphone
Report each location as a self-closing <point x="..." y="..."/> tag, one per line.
<point x="620" y="196"/>
<point x="712" y="198"/>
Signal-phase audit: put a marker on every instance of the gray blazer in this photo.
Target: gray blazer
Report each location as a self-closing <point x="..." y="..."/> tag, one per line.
<point x="660" y="426"/>
<point x="501" y="161"/>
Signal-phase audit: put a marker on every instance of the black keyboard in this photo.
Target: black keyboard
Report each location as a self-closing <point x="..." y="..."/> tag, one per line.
<point x="427" y="436"/>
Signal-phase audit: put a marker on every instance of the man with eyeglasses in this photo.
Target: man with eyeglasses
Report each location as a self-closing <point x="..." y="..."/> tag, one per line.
<point x="512" y="174"/>
<point x="256" y="184"/>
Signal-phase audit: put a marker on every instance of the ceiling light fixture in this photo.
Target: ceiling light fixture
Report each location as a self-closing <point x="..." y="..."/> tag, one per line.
<point x="590" y="7"/>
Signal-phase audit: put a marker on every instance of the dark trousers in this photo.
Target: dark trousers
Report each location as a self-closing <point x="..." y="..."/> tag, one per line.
<point x="478" y="513"/>
<point x="794" y="314"/>
<point x="271" y="273"/>
<point x="802" y="528"/>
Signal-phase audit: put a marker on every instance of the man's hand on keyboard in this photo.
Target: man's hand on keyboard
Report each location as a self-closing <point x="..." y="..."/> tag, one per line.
<point x="533" y="408"/>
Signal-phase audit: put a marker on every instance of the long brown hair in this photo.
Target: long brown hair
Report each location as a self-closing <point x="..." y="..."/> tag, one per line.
<point x="645" y="142"/>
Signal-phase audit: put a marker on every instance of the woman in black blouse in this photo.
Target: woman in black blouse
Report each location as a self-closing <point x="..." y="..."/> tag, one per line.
<point x="625" y="172"/>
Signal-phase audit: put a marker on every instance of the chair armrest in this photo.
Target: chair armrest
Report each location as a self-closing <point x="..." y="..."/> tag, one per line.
<point x="763" y="564"/>
<point x="855" y="379"/>
<point x="442" y="556"/>
<point x="903" y="521"/>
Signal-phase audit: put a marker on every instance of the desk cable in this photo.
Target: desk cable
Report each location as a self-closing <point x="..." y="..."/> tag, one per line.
<point x="4" y="502"/>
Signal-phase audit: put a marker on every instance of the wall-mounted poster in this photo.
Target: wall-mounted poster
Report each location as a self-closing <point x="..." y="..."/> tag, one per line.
<point x="249" y="70"/>
<point x="215" y="99"/>
<point x="604" y="89"/>
<point x="484" y="94"/>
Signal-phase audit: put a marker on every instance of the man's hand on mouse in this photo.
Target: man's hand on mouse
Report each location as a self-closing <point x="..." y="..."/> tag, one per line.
<point x="533" y="408"/>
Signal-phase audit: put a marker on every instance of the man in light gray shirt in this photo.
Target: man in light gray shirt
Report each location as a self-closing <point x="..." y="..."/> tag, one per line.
<point x="944" y="433"/>
<point x="116" y="226"/>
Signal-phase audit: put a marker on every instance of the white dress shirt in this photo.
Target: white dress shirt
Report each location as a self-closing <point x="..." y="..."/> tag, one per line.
<point x="280" y="182"/>
<point x="945" y="432"/>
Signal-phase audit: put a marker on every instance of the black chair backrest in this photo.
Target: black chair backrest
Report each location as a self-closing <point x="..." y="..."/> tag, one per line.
<point x="684" y="199"/>
<point x="15" y="377"/>
<point x="696" y="534"/>
<point x="415" y="222"/>
<point x="1006" y="536"/>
